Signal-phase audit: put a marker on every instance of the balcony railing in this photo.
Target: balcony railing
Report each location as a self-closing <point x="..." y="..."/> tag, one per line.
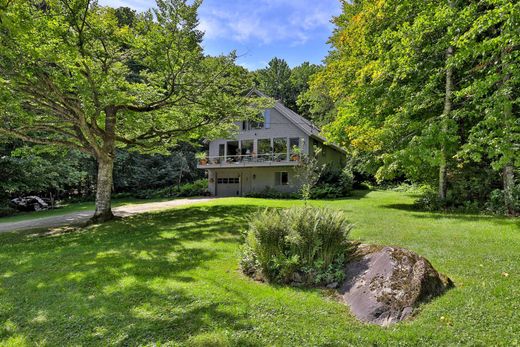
<point x="248" y="159"/>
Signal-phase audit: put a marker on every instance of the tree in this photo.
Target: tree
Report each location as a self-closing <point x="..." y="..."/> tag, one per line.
<point x="315" y="102"/>
<point x="300" y="77"/>
<point x="387" y="80"/>
<point x="285" y="84"/>
<point x="87" y="77"/>
<point x="275" y="81"/>
<point x="135" y="172"/>
<point x="39" y="170"/>
<point x="426" y="91"/>
<point x="308" y="171"/>
<point x="489" y="51"/>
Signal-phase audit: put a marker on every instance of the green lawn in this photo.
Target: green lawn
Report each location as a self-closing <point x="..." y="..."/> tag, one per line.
<point x="171" y="278"/>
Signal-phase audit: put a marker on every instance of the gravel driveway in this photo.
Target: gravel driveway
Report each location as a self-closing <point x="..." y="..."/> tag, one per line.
<point x="76" y="218"/>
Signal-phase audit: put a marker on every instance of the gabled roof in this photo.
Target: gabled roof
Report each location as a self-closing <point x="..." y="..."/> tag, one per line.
<point x="302" y="123"/>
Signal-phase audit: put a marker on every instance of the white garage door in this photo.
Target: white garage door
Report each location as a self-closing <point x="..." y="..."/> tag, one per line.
<point x="228" y="186"/>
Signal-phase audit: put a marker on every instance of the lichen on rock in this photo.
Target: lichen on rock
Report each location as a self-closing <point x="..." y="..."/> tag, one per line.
<point x="384" y="285"/>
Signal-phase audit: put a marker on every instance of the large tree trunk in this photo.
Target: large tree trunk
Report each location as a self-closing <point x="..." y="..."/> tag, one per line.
<point x="443" y="165"/>
<point x="105" y="161"/>
<point x="104" y="191"/>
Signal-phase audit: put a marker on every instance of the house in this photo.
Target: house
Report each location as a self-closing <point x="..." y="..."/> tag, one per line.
<point x="261" y="155"/>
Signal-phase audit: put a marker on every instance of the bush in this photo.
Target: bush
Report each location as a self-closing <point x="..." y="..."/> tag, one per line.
<point x="302" y="244"/>
<point x="197" y="188"/>
<point x="496" y="205"/>
<point x="327" y="191"/>
<point x="271" y="193"/>
<point x="459" y="201"/>
<point x="6" y="211"/>
<point x="333" y="184"/>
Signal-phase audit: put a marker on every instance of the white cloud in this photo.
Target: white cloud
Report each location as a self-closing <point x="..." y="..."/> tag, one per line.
<point x="258" y="21"/>
<point x="140" y="5"/>
<point x="267" y="21"/>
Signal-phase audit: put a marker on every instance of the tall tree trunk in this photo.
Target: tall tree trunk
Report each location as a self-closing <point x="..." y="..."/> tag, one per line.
<point x="105" y="160"/>
<point x="443" y="166"/>
<point x="508" y="173"/>
<point x="508" y="179"/>
<point x="104" y="190"/>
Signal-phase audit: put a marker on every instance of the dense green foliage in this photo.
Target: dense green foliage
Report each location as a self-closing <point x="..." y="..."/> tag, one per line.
<point x="196" y="188"/>
<point x="297" y="245"/>
<point x="333" y="183"/>
<point x="69" y="176"/>
<point x="171" y="278"/>
<point x="427" y="91"/>
<point x="281" y="82"/>
<point x="34" y="170"/>
<point x="135" y="172"/>
<point x="94" y="78"/>
<point x="59" y="174"/>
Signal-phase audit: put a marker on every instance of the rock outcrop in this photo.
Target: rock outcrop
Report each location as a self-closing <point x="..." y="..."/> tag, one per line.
<point x="384" y="285"/>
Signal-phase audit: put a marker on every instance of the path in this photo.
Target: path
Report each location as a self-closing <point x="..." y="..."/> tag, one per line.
<point x="76" y="218"/>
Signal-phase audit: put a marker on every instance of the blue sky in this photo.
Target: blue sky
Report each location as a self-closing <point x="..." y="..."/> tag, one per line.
<point x="295" y="30"/>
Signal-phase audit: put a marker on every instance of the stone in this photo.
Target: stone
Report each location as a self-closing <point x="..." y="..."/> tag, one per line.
<point x="384" y="285"/>
<point x="29" y="203"/>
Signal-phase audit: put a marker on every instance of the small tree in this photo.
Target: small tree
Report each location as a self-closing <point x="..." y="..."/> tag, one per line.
<point x="308" y="171"/>
<point x="80" y="75"/>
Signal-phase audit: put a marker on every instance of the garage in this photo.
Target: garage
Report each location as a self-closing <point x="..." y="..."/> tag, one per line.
<point x="228" y="186"/>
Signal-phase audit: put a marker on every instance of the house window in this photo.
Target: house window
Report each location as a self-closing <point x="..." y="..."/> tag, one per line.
<point x="256" y="125"/>
<point x="230" y="180"/>
<point x="280" y="148"/>
<point x="294" y="142"/>
<point x="281" y="178"/>
<point x="221" y="150"/>
<point x="247" y="147"/>
<point x="264" y="149"/>
<point x="267" y="119"/>
<point x="252" y="125"/>
<point x="232" y="149"/>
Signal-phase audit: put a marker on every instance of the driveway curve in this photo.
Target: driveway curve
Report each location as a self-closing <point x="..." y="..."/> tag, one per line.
<point x="78" y="218"/>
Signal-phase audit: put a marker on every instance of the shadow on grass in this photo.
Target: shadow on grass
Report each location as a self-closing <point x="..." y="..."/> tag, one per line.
<point x="127" y="282"/>
<point x="467" y="217"/>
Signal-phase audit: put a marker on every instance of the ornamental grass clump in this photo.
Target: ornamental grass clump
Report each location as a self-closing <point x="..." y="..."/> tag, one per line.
<point x="299" y="245"/>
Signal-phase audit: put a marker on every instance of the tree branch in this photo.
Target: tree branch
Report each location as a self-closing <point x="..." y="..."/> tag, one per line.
<point x="46" y="141"/>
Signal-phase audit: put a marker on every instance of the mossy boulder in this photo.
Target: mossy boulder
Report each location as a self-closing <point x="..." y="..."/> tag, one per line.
<point x="384" y="285"/>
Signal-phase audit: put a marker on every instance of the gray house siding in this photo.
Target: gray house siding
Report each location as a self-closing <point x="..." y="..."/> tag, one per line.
<point x="280" y="127"/>
<point x="329" y="155"/>
<point x="251" y="180"/>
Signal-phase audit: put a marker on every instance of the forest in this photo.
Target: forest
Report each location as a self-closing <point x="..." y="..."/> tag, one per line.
<point x="423" y="95"/>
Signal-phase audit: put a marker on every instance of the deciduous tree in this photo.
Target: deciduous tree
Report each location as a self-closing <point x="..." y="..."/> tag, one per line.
<point x="94" y="78"/>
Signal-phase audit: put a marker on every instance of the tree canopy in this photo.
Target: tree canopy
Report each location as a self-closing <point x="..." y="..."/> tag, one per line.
<point x="281" y="82"/>
<point x="425" y="90"/>
<point x="93" y="78"/>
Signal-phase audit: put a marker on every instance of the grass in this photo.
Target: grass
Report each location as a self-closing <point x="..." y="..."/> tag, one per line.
<point x="171" y="278"/>
<point x="71" y="208"/>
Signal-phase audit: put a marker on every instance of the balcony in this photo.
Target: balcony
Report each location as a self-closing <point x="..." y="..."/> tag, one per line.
<point x="231" y="161"/>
